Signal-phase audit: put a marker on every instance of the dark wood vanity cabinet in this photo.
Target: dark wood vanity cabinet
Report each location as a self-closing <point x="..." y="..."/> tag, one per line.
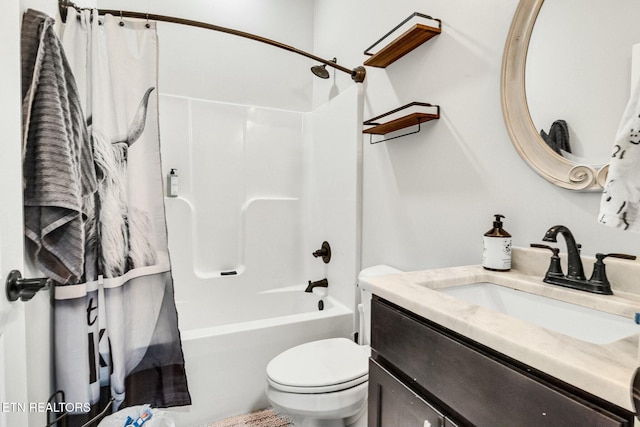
<point x="422" y="374"/>
<point x="392" y="403"/>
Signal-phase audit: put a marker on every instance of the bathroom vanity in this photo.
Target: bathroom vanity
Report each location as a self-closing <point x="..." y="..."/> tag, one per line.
<point x="422" y="371"/>
<point x="439" y="361"/>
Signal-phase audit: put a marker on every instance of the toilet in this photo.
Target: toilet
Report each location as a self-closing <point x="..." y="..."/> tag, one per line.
<point x="325" y="383"/>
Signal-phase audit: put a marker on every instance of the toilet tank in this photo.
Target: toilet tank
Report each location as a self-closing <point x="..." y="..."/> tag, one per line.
<point x="364" y="308"/>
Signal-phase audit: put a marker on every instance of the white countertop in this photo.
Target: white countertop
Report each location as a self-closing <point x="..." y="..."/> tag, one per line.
<point x="605" y="370"/>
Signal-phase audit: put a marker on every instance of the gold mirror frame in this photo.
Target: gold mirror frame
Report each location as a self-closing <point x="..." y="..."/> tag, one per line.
<point x="526" y="139"/>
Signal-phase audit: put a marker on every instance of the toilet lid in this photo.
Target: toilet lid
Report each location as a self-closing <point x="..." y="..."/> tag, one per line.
<point x="320" y="366"/>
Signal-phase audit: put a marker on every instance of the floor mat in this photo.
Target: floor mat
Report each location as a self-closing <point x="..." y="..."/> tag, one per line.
<point x="261" y="418"/>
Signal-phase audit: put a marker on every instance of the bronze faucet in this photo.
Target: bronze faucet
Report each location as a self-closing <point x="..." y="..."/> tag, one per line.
<point x="574" y="263"/>
<point x="575" y="278"/>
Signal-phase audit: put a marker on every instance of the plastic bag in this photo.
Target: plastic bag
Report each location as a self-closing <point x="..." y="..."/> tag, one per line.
<point x="158" y="418"/>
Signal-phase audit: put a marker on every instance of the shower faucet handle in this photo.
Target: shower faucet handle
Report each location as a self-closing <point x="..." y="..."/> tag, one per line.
<point x="324" y="252"/>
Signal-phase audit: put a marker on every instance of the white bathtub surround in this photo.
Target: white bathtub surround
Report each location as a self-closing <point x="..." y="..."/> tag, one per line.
<point x="603" y="370"/>
<point x="260" y="190"/>
<point x="235" y="162"/>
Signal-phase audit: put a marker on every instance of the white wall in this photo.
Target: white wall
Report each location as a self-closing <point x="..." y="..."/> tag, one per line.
<point x="429" y="197"/>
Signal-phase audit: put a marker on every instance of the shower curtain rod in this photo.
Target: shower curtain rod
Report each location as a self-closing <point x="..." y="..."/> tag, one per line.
<point x="357" y="74"/>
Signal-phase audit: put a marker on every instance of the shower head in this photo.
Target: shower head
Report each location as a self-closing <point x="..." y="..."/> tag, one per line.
<point x="321" y="70"/>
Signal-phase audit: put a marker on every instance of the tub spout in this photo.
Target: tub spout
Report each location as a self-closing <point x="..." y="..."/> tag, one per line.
<point x="324" y="283"/>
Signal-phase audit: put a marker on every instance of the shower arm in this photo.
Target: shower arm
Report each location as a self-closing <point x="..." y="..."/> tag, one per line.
<point x="357" y="74"/>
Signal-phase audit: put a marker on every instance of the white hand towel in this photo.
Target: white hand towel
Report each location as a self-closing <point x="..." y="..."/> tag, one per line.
<point x="620" y="204"/>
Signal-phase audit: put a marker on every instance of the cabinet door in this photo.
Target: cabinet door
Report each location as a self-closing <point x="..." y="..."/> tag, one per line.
<point x="392" y="404"/>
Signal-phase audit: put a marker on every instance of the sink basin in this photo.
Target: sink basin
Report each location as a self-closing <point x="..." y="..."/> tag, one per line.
<point x="580" y="322"/>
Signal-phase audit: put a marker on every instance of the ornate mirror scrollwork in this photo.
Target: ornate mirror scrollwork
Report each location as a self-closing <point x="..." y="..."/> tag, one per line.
<point x="526" y="139"/>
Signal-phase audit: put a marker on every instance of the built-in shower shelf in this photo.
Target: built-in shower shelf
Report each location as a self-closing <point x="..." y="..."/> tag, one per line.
<point x="406" y="36"/>
<point x="412" y="114"/>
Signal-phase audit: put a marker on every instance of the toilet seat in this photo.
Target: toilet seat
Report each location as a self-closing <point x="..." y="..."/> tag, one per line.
<point x="320" y="367"/>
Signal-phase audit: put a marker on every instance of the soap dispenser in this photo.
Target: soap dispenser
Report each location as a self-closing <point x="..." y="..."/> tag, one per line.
<point x="172" y="183"/>
<point x="496" y="255"/>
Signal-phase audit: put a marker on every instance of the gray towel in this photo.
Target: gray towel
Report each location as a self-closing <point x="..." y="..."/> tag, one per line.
<point x="558" y="137"/>
<point x="59" y="177"/>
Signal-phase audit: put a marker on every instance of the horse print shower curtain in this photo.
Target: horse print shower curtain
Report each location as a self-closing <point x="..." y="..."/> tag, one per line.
<point x="116" y="332"/>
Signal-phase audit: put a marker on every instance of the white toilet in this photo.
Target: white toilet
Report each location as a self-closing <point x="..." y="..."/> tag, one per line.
<point x="324" y="383"/>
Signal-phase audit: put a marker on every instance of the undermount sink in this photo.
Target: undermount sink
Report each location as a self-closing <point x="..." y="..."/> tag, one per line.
<point x="586" y="324"/>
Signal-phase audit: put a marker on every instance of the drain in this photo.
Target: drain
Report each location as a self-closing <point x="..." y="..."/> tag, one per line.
<point x="320" y="305"/>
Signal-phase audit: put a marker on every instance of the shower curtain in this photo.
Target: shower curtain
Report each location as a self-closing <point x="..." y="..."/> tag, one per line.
<point x="116" y="332"/>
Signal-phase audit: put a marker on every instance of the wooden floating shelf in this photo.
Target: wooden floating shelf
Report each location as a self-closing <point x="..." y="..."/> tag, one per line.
<point x="409" y="39"/>
<point x="409" y="115"/>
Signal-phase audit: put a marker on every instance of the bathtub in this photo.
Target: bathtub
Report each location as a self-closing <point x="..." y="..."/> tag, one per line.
<point x="226" y="360"/>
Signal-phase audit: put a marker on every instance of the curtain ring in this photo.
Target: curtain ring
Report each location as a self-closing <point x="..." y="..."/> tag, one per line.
<point x="147" y="24"/>
<point x="121" y="21"/>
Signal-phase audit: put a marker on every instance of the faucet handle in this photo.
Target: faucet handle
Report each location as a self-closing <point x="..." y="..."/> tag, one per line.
<point x="555" y="251"/>
<point x="600" y="257"/>
<point x="599" y="275"/>
<point x="555" y="269"/>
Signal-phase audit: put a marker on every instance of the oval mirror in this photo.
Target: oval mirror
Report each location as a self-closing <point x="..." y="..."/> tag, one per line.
<point x="567" y="172"/>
